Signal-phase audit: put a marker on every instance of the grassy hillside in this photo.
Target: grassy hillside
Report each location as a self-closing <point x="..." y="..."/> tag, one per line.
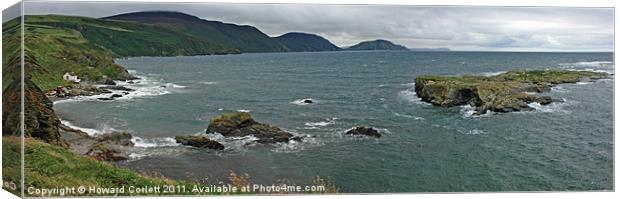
<point x="131" y="39"/>
<point x="242" y="37"/>
<point x="56" y="44"/>
<point x="49" y="166"/>
<point x="304" y="42"/>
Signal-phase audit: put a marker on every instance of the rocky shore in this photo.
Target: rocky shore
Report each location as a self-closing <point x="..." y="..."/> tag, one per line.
<point x="506" y="92"/>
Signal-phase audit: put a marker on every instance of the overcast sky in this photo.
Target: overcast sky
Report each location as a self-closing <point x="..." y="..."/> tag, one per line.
<point x="458" y="28"/>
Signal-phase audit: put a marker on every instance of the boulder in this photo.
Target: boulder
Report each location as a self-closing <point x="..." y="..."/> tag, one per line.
<point x="116" y="96"/>
<point x="308" y="101"/>
<point x="199" y="142"/>
<point x="109" y="82"/>
<point x="110" y="146"/>
<point x="362" y="130"/>
<point x="121" y="138"/>
<point x="106" y="152"/>
<point x="241" y="124"/>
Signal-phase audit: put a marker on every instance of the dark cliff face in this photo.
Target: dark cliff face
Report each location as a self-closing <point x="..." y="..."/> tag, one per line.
<point x="40" y="121"/>
<point x="304" y="42"/>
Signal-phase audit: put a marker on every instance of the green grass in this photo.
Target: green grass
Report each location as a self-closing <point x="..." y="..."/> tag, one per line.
<point x="50" y="166"/>
<point x="86" y="46"/>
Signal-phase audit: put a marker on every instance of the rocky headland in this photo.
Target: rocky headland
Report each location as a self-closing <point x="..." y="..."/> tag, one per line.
<point x="506" y="92"/>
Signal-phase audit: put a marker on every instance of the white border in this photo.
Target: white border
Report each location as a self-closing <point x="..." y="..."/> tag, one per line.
<point x="564" y="3"/>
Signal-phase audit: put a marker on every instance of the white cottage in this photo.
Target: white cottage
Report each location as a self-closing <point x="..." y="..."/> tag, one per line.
<point x="71" y="77"/>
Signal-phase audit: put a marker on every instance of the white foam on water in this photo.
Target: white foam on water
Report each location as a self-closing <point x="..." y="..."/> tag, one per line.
<point x="207" y="83"/>
<point x="475" y="132"/>
<point x="243" y="110"/>
<point x="555" y="107"/>
<point x="302" y="103"/>
<point x="594" y="63"/>
<point x="410" y="95"/>
<point x="593" y="66"/>
<point x="293" y="146"/>
<point x="490" y="74"/>
<point x="89" y="131"/>
<point x="559" y="89"/>
<point x="104" y="128"/>
<point x="408" y="116"/>
<point x="583" y="83"/>
<point x="154" y="142"/>
<point x="329" y="121"/>
<point x="468" y="111"/>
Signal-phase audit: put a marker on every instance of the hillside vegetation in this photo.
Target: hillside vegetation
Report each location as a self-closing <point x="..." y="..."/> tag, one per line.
<point x="241" y="38"/>
<point x="304" y="42"/>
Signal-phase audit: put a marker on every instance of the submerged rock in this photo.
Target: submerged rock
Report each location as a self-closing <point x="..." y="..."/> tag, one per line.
<point x="199" y="141"/>
<point x="308" y="101"/>
<point x="241" y="124"/>
<point x="366" y="131"/>
<point x="506" y="92"/>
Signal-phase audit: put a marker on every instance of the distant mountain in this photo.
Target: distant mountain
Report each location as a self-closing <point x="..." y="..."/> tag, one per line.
<point x="378" y="44"/>
<point x="304" y="42"/>
<point x="229" y="36"/>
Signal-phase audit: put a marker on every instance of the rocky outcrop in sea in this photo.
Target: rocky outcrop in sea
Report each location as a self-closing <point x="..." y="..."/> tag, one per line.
<point x="199" y="142"/>
<point x="506" y="92"/>
<point x="242" y="124"/>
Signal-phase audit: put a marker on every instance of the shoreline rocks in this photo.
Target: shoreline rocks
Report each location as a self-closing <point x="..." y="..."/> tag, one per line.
<point x="365" y="131"/>
<point x="506" y="92"/>
<point x="199" y="142"/>
<point x="241" y="124"/>
<point x="104" y="147"/>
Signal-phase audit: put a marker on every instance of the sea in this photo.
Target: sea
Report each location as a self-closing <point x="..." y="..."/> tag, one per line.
<point x="558" y="147"/>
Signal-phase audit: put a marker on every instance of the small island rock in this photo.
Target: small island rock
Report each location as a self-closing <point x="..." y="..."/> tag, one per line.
<point x="199" y="142"/>
<point x="241" y="124"/>
<point x="362" y="130"/>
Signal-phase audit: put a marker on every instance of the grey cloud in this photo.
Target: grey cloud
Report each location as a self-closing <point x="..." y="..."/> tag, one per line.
<point x="459" y="28"/>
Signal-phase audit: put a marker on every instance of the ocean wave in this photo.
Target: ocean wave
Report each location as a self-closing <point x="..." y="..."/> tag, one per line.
<point x="410" y="95"/>
<point x="555" y="107"/>
<point x="330" y="121"/>
<point x="293" y="146"/>
<point x="243" y="110"/>
<point x="303" y="102"/>
<point x="207" y="83"/>
<point x="490" y="74"/>
<point x="468" y="111"/>
<point x="154" y="142"/>
<point x="234" y="144"/>
<point x="593" y="63"/>
<point x="104" y="128"/>
<point x="144" y="87"/>
<point x="559" y="89"/>
<point x="594" y="66"/>
<point x="471" y="131"/>
<point x="408" y="116"/>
